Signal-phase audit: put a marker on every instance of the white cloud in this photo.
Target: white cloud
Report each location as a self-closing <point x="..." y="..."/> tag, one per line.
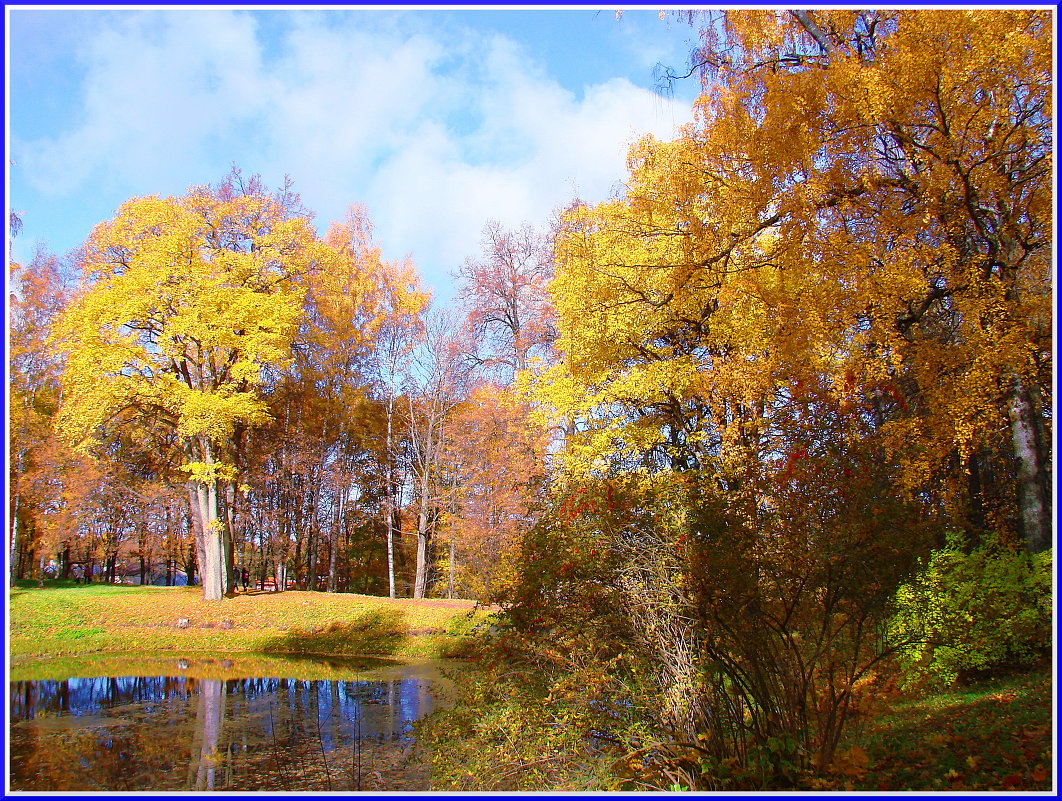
<point x="436" y="131"/>
<point x="152" y="102"/>
<point x="550" y="147"/>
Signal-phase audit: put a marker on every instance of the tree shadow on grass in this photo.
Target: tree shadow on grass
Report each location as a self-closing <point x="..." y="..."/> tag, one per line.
<point x="377" y="631"/>
<point x="56" y="584"/>
<point x="994" y="736"/>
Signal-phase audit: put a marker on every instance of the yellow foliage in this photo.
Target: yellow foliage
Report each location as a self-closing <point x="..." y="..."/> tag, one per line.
<point x="186" y="300"/>
<point x="868" y="208"/>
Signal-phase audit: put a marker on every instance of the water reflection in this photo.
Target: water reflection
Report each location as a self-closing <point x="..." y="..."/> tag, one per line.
<point x="183" y="733"/>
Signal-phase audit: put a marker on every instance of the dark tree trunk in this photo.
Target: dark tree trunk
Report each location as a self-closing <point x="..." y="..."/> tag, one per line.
<point x="190" y="565"/>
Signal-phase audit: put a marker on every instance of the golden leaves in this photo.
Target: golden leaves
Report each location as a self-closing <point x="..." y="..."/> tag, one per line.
<point x="189" y="298"/>
<point x="852" y="762"/>
<point x="209" y="472"/>
<point x="816" y="221"/>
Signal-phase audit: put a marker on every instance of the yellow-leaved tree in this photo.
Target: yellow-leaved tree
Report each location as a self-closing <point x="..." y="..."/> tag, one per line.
<point x="821" y="319"/>
<point x="370" y="310"/>
<point x="186" y="301"/>
<point x="865" y="197"/>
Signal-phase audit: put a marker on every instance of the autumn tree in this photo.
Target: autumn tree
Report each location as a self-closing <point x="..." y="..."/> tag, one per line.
<point x="322" y="467"/>
<point x="804" y="312"/>
<point x="493" y="454"/>
<point x="493" y="458"/>
<point x="437" y="381"/>
<point x="504" y="291"/>
<point x="371" y="312"/>
<point x="394" y="345"/>
<point x="38" y="292"/>
<point x="186" y="300"/>
<point x="913" y="150"/>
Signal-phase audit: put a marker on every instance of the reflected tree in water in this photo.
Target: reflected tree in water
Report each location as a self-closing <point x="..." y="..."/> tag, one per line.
<point x="180" y="733"/>
<point x="209" y="721"/>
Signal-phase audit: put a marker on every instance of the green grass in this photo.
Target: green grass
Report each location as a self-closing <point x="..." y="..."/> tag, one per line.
<point x="76" y="620"/>
<point x="224" y="666"/>
<point x="992" y="735"/>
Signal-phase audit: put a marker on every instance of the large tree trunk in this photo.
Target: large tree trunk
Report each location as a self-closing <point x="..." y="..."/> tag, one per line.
<point x="211" y="535"/>
<point x="423" y="523"/>
<point x="210" y="523"/>
<point x="1034" y="483"/>
<point x="209" y="530"/>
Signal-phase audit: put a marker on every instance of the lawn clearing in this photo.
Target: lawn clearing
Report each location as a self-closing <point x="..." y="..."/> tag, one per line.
<point x="97" y="619"/>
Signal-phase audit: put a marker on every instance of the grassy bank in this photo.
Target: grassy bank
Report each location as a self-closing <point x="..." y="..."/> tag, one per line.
<point x="991" y="735"/>
<point x="79" y="620"/>
<point x="994" y="735"/>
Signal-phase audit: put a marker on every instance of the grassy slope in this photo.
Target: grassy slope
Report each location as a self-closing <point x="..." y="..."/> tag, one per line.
<point x="993" y="735"/>
<point x="79" y="620"/>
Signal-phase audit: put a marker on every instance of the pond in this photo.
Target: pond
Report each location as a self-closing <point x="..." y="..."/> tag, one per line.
<point x="197" y="727"/>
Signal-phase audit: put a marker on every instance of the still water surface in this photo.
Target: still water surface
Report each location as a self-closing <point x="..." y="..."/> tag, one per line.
<point x="182" y="733"/>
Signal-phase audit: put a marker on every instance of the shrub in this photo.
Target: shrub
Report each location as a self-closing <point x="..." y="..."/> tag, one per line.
<point x="748" y="632"/>
<point x="524" y="723"/>
<point x="968" y="613"/>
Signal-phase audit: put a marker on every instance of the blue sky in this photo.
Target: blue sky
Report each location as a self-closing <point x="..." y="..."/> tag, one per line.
<point x="435" y="120"/>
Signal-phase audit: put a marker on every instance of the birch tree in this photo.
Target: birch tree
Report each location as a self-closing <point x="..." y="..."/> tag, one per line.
<point x="438" y="381"/>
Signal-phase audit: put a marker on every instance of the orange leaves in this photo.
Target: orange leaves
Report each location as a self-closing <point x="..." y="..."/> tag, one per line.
<point x="1040" y="774"/>
<point x="353" y="297"/>
<point x="495" y="456"/>
<point x="852" y="763"/>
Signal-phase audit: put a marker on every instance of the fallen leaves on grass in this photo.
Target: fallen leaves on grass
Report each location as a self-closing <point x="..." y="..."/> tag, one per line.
<point x="145" y="619"/>
<point x="996" y="736"/>
<point x="851" y="762"/>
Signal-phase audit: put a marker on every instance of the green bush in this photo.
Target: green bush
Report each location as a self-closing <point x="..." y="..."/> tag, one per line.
<point x="969" y="613"/>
